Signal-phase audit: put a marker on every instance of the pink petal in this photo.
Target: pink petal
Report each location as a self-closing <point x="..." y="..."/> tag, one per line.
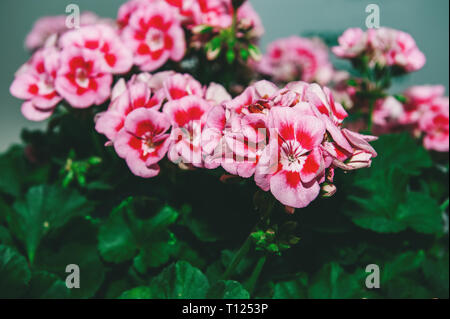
<point x="313" y="166"/>
<point x="289" y="190"/>
<point x="34" y="114"/>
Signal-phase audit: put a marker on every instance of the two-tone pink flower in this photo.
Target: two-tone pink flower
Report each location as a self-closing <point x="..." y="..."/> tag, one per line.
<point x="383" y="46"/>
<point x="143" y="141"/>
<point x="155" y="35"/>
<point x="424" y="114"/>
<point x="292" y="164"/>
<point x="297" y="58"/>
<point x="35" y="83"/>
<point x="127" y="97"/>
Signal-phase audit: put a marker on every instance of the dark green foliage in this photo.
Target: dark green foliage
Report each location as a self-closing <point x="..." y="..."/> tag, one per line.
<point x="174" y="236"/>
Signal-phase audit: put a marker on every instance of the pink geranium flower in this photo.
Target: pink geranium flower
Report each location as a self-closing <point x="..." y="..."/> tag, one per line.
<point x="126" y="98"/>
<point x="104" y="40"/>
<point x="219" y="13"/>
<point x="81" y="79"/>
<point x="403" y="51"/>
<point x="46" y="27"/>
<point x="189" y="10"/>
<point x="236" y="132"/>
<point x="361" y="155"/>
<point x="249" y="18"/>
<point x="292" y="164"/>
<point x="297" y="58"/>
<point x="143" y="141"/>
<point x="435" y="125"/>
<point x="35" y="83"/>
<point x="425" y="114"/>
<point x="351" y="43"/>
<point x="178" y="86"/>
<point x="128" y="8"/>
<point x="419" y="98"/>
<point x="188" y="117"/>
<point x="387" y="114"/>
<point x="155" y="35"/>
<point x="383" y="46"/>
<point x="331" y="113"/>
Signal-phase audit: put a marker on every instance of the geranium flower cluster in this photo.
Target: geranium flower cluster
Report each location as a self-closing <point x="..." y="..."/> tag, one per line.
<point x="143" y="135"/>
<point x="155" y="29"/>
<point x="192" y="13"/>
<point x="51" y="26"/>
<point x="78" y="67"/>
<point x="297" y="58"/>
<point x="425" y="113"/>
<point x="290" y="140"/>
<point x="383" y="46"/>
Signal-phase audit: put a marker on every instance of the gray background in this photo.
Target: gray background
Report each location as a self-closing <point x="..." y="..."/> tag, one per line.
<point x="426" y="20"/>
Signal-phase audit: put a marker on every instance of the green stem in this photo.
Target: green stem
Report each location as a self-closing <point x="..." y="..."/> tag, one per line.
<point x="234" y="23"/>
<point x="237" y="258"/>
<point x="255" y="274"/>
<point x="371" y="109"/>
<point x="248" y="242"/>
<point x="444" y="205"/>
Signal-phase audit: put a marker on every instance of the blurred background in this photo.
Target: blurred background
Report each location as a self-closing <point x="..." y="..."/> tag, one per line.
<point x="426" y="21"/>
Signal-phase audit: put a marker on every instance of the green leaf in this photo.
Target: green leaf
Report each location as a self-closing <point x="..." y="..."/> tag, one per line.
<point x="402" y="151"/>
<point x="292" y="289"/>
<point x="44" y="285"/>
<point x="231" y="55"/>
<point x="154" y="255"/>
<point x="14" y="273"/>
<point x="197" y="225"/>
<point x="180" y="281"/>
<point x="84" y="255"/>
<point x="9" y="182"/>
<point x="382" y="192"/>
<point x="331" y="282"/>
<point x="117" y="286"/>
<point x="125" y="236"/>
<point x="5" y="237"/>
<point x="437" y="275"/>
<point x="16" y="172"/>
<point x="420" y="212"/>
<point x="44" y="208"/>
<point x="401" y="277"/>
<point x="137" y="293"/>
<point x="5" y="210"/>
<point x="116" y="242"/>
<point x="227" y="289"/>
<point x="404" y="263"/>
<point x="187" y="253"/>
<point x="244" y="54"/>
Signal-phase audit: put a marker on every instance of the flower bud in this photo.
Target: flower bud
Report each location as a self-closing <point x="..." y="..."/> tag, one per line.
<point x="255" y="52"/>
<point x="359" y="159"/>
<point x="328" y="190"/>
<point x="201" y="29"/>
<point x="212" y="54"/>
<point x="289" y="209"/>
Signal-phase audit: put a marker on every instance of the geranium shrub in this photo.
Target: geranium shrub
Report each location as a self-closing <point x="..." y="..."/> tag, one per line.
<point x="180" y="162"/>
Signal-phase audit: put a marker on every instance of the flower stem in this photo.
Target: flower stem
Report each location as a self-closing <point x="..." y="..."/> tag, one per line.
<point x="444" y="205"/>
<point x="255" y="274"/>
<point x="248" y="242"/>
<point x="371" y="110"/>
<point x="237" y="258"/>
